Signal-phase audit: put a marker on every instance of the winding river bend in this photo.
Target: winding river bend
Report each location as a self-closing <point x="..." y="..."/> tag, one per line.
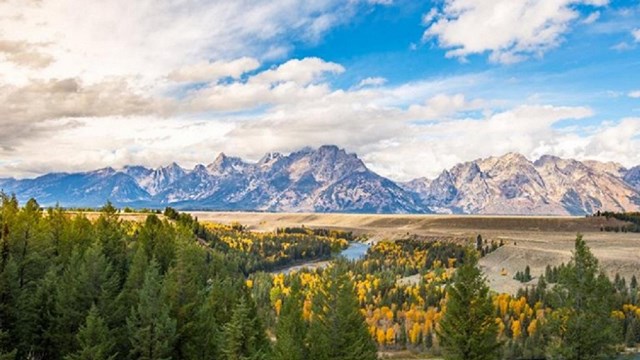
<point x="355" y="251"/>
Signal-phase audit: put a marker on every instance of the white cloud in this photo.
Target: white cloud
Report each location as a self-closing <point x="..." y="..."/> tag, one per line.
<point x="442" y="105"/>
<point x="372" y="81"/>
<point x="307" y="112"/>
<point x="636" y="34"/>
<point x="24" y="54"/>
<point x="510" y="31"/>
<point x="634" y="94"/>
<point x="300" y="71"/>
<point x="622" y="46"/>
<point x="593" y="17"/>
<point x="293" y="81"/>
<point x="27" y="110"/>
<point x="95" y="86"/>
<point x="213" y="71"/>
<point x="148" y="39"/>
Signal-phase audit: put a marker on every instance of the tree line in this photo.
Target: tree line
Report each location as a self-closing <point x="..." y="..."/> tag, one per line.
<point x="75" y="288"/>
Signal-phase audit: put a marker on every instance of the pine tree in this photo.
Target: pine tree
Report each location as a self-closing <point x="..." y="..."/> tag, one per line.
<point x="158" y="240"/>
<point x="37" y="320"/>
<point x="337" y="329"/>
<point x="468" y="330"/>
<point x="181" y="289"/>
<point x="87" y="280"/>
<point x="582" y="325"/>
<point x="205" y="342"/>
<point x="9" y="293"/>
<point x="319" y="334"/>
<point x="243" y="337"/>
<point x="111" y="237"/>
<point x="291" y="329"/>
<point x="151" y="329"/>
<point x="95" y="341"/>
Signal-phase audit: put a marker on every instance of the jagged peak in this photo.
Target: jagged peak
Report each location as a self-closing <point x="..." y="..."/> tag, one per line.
<point x="172" y="167"/>
<point x="330" y="148"/>
<point x="134" y="167"/>
<point x="222" y="157"/>
<point x="223" y="160"/>
<point x="104" y="171"/>
<point x="199" y="168"/>
<point x="270" y="157"/>
<point x="514" y="156"/>
<point x="547" y="159"/>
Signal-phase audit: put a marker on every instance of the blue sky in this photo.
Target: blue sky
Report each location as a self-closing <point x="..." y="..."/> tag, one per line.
<point x="584" y="69"/>
<point x="412" y="87"/>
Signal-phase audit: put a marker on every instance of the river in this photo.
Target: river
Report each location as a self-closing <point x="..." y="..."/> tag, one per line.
<point x="355" y="251"/>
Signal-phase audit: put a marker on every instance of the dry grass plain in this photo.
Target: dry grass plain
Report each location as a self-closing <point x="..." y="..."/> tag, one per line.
<point x="530" y="240"/>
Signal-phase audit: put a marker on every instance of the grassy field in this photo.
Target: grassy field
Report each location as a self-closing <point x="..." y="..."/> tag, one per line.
<point x="530" y="240"/>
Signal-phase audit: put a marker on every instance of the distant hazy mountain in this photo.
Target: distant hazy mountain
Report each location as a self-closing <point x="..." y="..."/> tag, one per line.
<point x="511" y="184"/>
<point x="328" y="179"/>
<point x="322" y="180"/>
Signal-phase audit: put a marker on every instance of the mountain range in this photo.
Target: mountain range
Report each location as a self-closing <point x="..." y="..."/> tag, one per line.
<point x="329" y="179"/>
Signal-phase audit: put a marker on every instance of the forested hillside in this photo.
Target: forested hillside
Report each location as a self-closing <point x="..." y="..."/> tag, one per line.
<point x="171" y="287"/>
<point x="110" y="289"/>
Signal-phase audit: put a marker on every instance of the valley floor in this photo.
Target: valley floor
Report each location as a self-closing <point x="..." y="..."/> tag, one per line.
<point x="536" y="241"/>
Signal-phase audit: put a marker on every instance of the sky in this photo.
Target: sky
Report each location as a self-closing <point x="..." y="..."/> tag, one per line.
<point x="413" y="87"/>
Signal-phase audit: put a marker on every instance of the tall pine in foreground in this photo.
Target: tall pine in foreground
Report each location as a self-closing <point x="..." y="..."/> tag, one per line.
<point x="582" y="326"/>
<point x="338" y="330"/>
<point x="151" y="329"/>
<point x="468" y="330"/>
<point x="244" y="337"/>
<point x="96" y="343"/>
<point x="291" y="328"/>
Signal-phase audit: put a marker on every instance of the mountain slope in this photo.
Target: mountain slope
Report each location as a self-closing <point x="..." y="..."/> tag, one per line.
<point x="511" y="184"/>
<point x="80" y="189"/>
<point x="326" y="179"/>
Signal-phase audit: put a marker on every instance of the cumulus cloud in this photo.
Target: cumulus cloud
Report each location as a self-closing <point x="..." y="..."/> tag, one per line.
<point x="29" y="112"/>
<point x="593" y="17"/>
<point x="167" y="82"/>
<point x="634" y="94"/>
<point x="510" y="31"/>
<point x="292" y="81"/>
<point x="372" y="81"/>
<point x="24" y="54"/>
<point x="363" y="120"/>
<point x="151" y="38"/>
<point x="636" y="34"/>
<point x="441" y="106"/>
<point x="213" y="71"/>
<point x="299" y="71"/>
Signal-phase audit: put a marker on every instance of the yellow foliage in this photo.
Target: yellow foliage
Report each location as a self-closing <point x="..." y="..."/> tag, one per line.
<point x="381" y="336"/>
<point x="278" y="306"/>
<point x="390" y="336"/>
<point x="617" y="314"/>
<point x="516" y="328"/>
<point x="533" y="327"/>
<point x="501" y="326"/>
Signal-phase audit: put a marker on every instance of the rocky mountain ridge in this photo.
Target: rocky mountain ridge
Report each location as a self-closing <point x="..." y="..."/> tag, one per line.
<point x="329" y="179"/>
<point x="512" y="184"/>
